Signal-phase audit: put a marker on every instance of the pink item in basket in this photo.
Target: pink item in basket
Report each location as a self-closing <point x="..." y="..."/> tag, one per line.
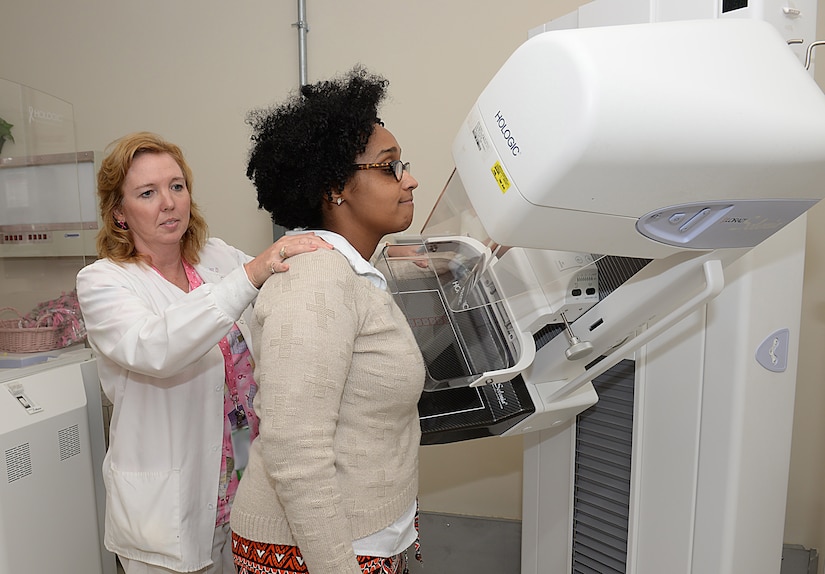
<point x="51" y="325"/>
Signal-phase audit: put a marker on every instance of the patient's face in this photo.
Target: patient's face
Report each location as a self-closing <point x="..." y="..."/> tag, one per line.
<point x="377" y="199"/>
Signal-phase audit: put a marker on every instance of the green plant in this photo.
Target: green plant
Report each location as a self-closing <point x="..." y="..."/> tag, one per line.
<point x="5" y="131"/>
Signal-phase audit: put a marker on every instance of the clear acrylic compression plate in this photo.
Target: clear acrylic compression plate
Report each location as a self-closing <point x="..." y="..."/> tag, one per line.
<point x="472" y="304"/>
<point x="459" y="347"/>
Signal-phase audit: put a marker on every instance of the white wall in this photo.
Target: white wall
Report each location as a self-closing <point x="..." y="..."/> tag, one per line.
<point x="190" y="70"/>
<point x="805" y="513"/>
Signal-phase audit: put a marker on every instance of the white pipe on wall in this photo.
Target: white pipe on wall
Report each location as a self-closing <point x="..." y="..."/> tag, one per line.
<point x="303" y="29"/>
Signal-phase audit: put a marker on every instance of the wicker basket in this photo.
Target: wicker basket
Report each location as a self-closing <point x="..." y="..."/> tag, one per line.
<point x="17" y="339"/>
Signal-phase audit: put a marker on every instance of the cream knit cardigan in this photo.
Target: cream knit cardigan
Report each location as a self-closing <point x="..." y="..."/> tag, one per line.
<point x="339" y="375"/>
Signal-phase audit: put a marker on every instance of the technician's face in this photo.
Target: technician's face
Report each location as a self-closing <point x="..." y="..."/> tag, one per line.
<point x="377" y="199"/>
<point x="155" y="202"/>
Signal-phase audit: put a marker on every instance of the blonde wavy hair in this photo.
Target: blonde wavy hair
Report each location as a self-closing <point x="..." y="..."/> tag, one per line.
<point x="117" y="244"/>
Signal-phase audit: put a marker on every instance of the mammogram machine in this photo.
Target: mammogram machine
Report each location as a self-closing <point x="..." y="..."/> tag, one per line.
<point x="610" y="183"/>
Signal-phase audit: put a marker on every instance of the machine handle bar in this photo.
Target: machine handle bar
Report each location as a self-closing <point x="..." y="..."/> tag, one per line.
<point x="714" y="282"/>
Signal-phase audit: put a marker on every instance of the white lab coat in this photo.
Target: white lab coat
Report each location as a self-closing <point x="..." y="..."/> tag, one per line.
<point x="161" y="367"/>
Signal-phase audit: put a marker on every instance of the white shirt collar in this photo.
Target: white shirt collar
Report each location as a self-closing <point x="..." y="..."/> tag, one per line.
<point x="360" y="265"/>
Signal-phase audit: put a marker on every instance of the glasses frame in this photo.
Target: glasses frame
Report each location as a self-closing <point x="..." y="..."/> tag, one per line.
<point x="390" y="166"/>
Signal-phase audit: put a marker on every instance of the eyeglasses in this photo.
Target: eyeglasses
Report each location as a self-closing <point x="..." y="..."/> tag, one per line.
<point x="395" y="167"/>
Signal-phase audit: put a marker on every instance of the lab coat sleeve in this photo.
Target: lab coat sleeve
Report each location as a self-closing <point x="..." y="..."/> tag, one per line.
<point x="309" y="323"/>
<point x="147" y="327"/>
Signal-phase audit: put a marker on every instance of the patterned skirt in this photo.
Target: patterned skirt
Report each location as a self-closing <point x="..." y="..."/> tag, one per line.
<point x="261" y="558"/>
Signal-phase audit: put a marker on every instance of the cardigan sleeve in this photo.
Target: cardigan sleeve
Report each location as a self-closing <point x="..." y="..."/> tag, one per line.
<point x="309" y="323"/>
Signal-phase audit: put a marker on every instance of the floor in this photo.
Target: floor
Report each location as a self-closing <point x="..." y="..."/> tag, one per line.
<point x="465" y="545"/>
<point x="468" y="545"/>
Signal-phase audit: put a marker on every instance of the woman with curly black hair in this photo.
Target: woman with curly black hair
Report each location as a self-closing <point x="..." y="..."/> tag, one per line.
<point x="332" y="479"/>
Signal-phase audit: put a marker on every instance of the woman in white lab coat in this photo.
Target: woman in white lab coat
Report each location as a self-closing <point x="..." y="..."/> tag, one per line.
<point x="166" y="310"/>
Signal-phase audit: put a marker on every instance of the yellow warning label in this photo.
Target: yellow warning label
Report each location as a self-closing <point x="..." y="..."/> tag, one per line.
<point x="501" y="177"/>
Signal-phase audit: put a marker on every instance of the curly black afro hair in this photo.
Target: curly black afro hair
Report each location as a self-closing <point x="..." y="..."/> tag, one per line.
<point x="305" y="148"/>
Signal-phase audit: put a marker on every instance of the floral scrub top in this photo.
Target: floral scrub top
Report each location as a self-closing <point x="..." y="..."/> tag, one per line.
<point x="240" y="423"/>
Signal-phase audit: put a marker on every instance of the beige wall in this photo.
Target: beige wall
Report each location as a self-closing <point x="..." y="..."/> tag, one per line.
<point x="191" y="69"/>
<point x="805" y="514"/>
